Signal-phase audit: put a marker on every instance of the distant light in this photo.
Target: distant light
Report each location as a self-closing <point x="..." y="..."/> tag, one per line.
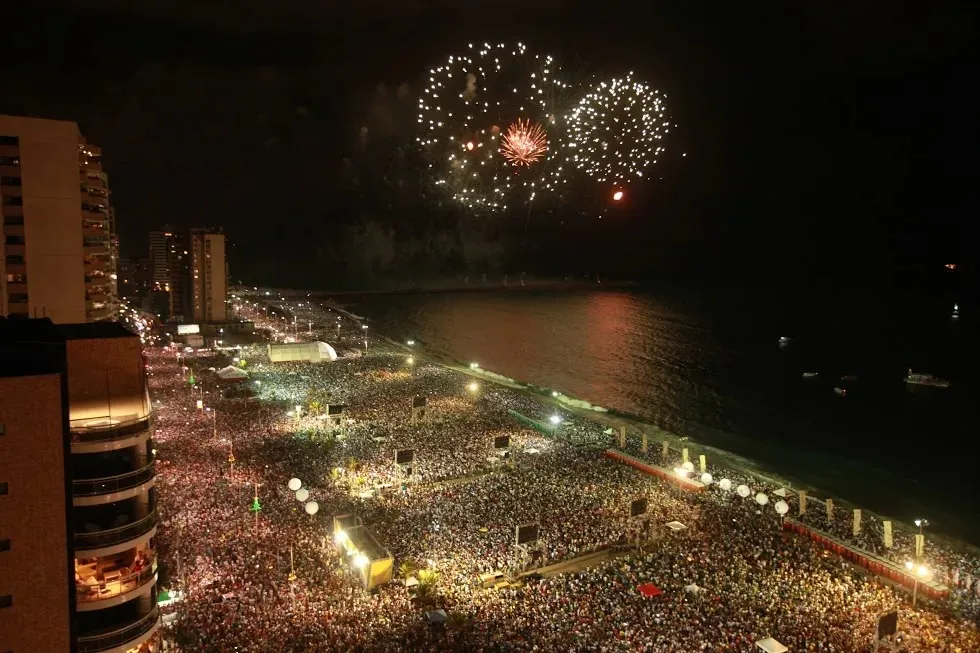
<point x="618" y="195"/>
<point x="922" y="571"/>
<point x="909" y="565"/>
<point x="473" y="387"/>
<point x="410" y="360"/>
<point x="340" y="537"/>
<point x="555" y="419"/>
<point x="361" y="561"/>
<point x="554" y="393"/>
<point x="411" y="342"/>
<point x="469" y="146"/>
<point x="474" y="366"/>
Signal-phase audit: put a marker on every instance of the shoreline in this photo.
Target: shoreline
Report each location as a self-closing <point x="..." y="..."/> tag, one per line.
<point x="612" y="418"/>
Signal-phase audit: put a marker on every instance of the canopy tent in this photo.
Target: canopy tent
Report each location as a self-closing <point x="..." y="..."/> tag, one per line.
<point x="693" y="588"/>
<point x="675" y="526"/>
<point x="649" y="590"/>
<point x="436" y="616"/>
<point x="313" y="352"/>
<point x="231" y="373"/>
<point x="769" y="645"/>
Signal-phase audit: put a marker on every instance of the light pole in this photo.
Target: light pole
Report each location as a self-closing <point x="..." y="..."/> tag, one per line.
<point x="919" y="571"/>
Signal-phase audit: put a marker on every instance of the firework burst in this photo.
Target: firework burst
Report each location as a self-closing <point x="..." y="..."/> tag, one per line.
<point x="463" y="114"/>
<point x="524" y="143"/>
<point x="616" y="130"/>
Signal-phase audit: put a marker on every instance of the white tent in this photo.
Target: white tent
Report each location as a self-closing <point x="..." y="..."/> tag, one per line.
<point x="769" y="645"/>
<point x="231" y="373"/>
<point x="313" y="352"/>
<point x="693" y="588"/>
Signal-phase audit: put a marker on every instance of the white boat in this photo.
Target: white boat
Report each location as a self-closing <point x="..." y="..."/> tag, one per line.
<point x="841" y="392"/>
<point x="926" y="379"/>
<point x="810" y="375"/>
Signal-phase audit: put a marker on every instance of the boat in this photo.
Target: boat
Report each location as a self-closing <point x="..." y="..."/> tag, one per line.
<point x="810" y="375"/>
<point x="849" y="377"/>
<point x="841" y="392"/>
<point x="926" y="379"/>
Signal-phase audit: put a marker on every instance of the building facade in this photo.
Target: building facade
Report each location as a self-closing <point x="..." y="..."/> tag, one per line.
<point x="209" y="276"/>
<point x="77" y="500"/>
<point x="58" y="243"/>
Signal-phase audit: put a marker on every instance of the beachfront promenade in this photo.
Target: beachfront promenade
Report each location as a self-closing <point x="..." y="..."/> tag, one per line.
<point x="269" y="579"/>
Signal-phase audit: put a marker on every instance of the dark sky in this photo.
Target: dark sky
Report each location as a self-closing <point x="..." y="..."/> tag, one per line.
<point x="815" y="131"/>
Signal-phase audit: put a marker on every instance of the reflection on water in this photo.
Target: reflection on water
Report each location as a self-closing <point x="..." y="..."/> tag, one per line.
<point x="710" y="366"/>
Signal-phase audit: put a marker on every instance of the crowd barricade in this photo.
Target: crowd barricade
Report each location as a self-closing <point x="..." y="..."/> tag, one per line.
<point x="660" y="472"/>
<point x="875" y="564"/>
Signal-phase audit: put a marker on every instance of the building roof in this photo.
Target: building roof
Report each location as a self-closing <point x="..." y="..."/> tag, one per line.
<point x="30" y="347"/>
<point x="42" y="329"/>
<point x="94" y="330"/>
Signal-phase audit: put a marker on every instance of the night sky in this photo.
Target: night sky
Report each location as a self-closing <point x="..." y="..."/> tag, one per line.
<point x="819" y="135"/>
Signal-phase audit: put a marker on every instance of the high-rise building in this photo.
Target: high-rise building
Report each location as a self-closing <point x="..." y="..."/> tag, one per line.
<point x="134" y="278"/>
<point x="179" y="264"/>
<point x="209" y="276"/>
<point x="56" y="222"/>
<point x="160" y="255"/>
<point x="78" y="568"/>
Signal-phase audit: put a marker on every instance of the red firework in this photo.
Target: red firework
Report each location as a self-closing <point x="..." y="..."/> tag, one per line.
<point x="524" y="143"/>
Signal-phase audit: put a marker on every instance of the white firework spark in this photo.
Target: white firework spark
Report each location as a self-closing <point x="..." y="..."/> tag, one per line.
<point x="463" y="111"/>
<point x="616" y="130"/>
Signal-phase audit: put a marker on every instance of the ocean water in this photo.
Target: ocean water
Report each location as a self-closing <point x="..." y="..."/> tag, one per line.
<point x="709" y="364"/>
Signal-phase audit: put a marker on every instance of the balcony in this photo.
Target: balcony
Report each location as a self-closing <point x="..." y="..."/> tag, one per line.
<point x="90" y="166"/>
<point x="100" y="539"/>
<point x="109" y="434"/>
<point x="117" y="585"/>
<point x="92" y="182"/>
<point x="113" y="485"/>
<point x="17" y="288"/>
<point x="14" y="250"/>
<point x="121" y="639"/>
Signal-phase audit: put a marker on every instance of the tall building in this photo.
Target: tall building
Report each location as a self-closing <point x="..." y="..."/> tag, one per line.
<point x="209" y="276"/>
<point x="78" y="567"/>
<point x="56" y="223"/>
<point x="179" y="264"/>
<point x="160" y="255"/>
<point x="134" y="278"/>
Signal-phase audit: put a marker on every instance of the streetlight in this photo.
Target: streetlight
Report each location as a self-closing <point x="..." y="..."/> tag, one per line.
<point x="473" y="387"/>
<point x="555" y="419"/>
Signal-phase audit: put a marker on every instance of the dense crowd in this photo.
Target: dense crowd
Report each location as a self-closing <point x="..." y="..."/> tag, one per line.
<point x="728" y="578"/>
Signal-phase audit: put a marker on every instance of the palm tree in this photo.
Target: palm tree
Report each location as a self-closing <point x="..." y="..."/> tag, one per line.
<point x="407" y="568"/>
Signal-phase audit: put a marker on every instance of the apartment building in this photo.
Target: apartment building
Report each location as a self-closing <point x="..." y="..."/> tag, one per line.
<point x="78" y="568"/>
<point x="209" y="276"/>
<point x="57" y="223"/>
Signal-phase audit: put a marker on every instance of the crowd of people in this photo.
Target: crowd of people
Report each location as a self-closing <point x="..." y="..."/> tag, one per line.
<point x="271" y="579"/>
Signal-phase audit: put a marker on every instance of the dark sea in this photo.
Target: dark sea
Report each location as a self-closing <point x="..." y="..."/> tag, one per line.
<point x="709" y="364"/>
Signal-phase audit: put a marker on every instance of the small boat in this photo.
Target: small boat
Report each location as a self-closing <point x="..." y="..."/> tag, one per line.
<point x="810" y="375"/>
<point x="840" y="392"/>
<point x="926" y="379"/>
